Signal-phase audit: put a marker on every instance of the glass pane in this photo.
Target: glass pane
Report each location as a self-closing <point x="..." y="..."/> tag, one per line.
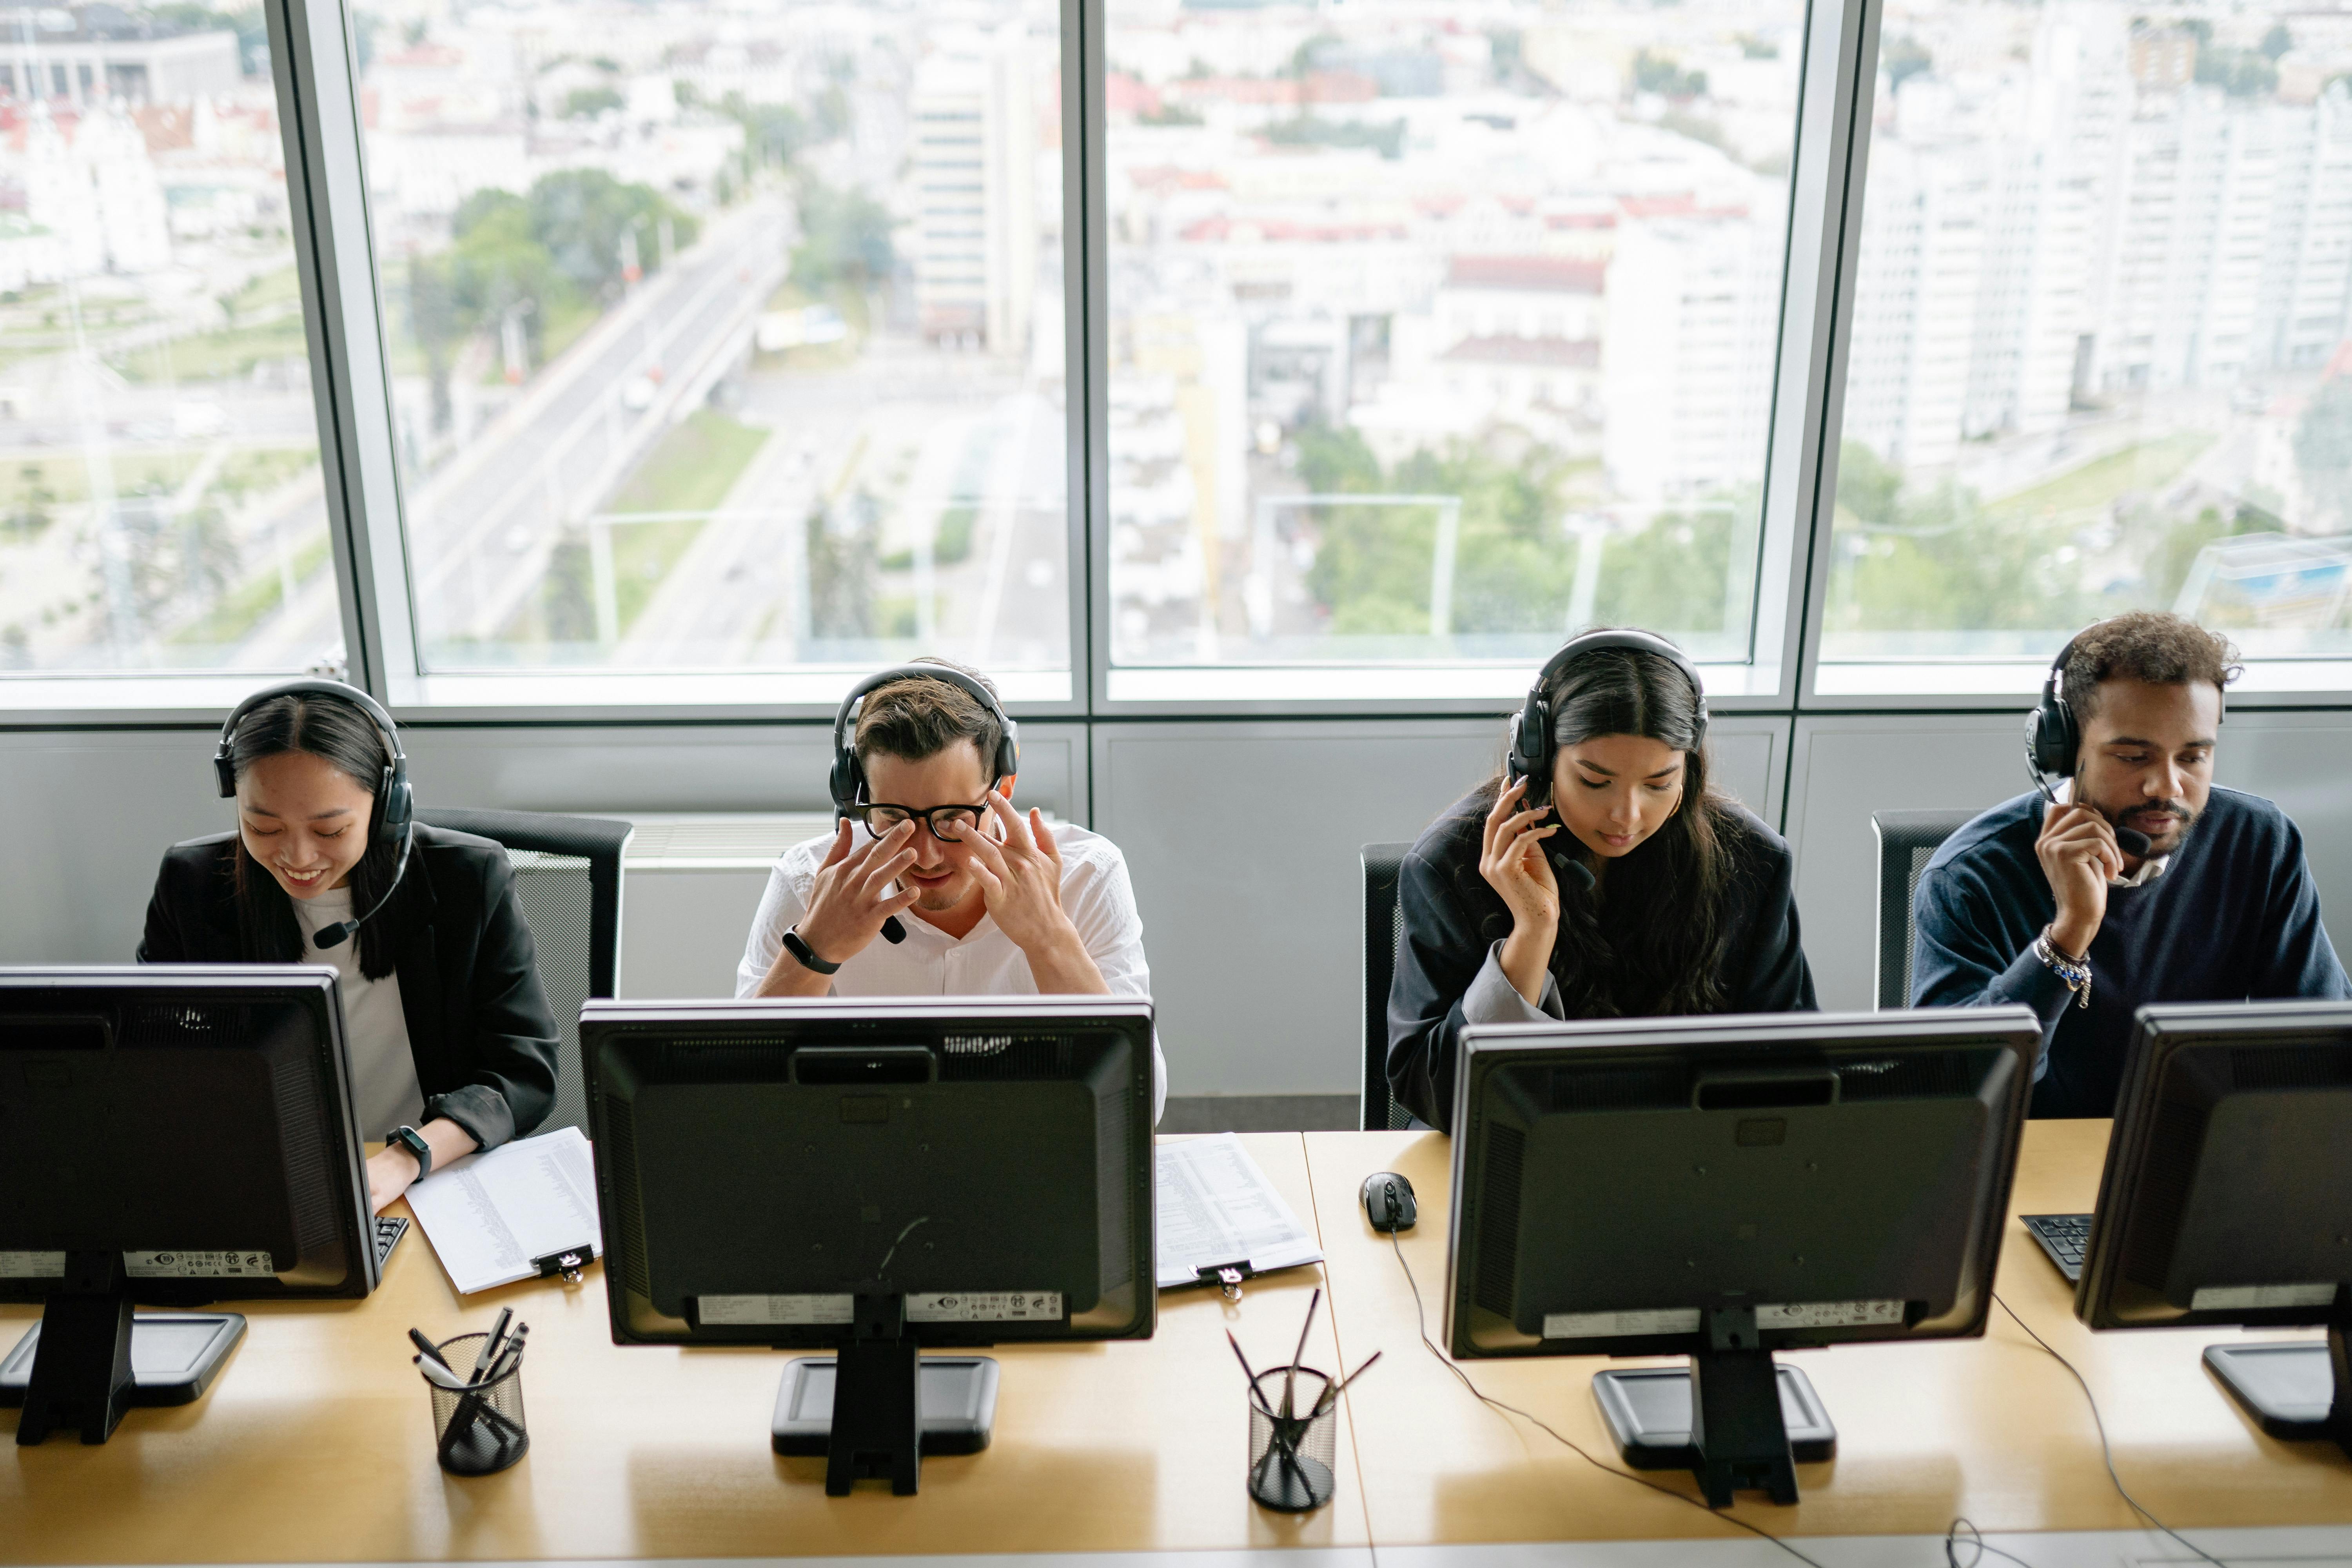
<point x="1433" y="339"/>
<point x="2099" y="337"/>
<point x="160" y="506"/>
<point x="724" y="338"/>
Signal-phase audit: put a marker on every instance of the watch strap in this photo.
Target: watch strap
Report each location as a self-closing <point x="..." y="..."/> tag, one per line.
<point x="410" y="1139"/>
<point x="806" y="954"/>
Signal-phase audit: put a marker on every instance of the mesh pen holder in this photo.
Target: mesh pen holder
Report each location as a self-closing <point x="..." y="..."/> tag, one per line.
<point x="1290" y="1461"/>
<point x="479" y="1432"/>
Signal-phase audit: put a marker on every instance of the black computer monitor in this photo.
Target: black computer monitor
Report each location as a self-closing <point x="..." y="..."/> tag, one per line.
<point x="1725" y="1187"/>
<point x="2227" y="1200"/>
<point x="870" y="1177"/>
<point x="173" y="1134"/>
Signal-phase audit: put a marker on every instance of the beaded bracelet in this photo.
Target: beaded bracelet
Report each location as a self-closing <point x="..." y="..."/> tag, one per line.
<point x="2076" y="972"/>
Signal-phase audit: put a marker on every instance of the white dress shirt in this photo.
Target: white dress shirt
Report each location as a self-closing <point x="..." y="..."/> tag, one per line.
<point x="384" y="1091"/>
<point x="1096" y="895"/>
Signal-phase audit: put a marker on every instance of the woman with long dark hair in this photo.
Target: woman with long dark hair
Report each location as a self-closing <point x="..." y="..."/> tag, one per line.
<point x="451" y="1041"/>
<point x="1599" y="875"/>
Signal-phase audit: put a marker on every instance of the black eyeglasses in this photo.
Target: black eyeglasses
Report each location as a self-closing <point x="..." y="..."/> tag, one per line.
<point x="880" y="819"/>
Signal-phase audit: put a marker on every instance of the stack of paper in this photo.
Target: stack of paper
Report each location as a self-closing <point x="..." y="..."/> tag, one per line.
<point x="1217" y="1208"/>
<point x="489" y="1214"/>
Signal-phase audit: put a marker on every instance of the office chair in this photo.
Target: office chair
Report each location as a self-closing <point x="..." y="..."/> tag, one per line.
<point x="568" y="880"/>
<point x="1907" y="840"/>
<point x="1383" y="932"/>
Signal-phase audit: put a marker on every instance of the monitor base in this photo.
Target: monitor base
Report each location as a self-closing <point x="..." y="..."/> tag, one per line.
<point x="2296" y="1390"/>
<point x="82" y="1376"/>
<point x="873" y="1419"/>
<point x="174" y="1356"/>
<point x="1649" y="1414"/>
<point x="956" y="1405"/>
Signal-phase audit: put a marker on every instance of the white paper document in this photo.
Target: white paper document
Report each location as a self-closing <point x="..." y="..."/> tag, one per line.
<point x="488" y="1216"/>
<point x="1217" y="1207"/>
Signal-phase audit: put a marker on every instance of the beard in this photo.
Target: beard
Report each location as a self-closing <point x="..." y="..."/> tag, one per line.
<point x="2165" y="835"/>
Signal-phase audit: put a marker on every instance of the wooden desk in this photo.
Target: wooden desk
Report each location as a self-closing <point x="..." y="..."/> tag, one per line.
<point x="316" y="1444"/>
<point x="1992" y="1429"/>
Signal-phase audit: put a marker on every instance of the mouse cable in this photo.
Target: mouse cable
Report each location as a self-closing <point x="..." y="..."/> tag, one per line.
<point x="1954" y="1541"/>
<point x="2106" y="1452"/>
<point x="1421" y="1320"/>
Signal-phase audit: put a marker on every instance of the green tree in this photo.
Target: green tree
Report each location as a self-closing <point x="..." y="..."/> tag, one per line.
<point x="845" y="238"/>
<point x="578" y="216"/>
<point x="588" y="102"/>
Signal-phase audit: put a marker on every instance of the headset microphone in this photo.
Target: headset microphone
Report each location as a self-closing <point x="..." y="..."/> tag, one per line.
<point x="342" y="931"/>
<point x="1576" y="871"/>
<point x="892" y="932"/>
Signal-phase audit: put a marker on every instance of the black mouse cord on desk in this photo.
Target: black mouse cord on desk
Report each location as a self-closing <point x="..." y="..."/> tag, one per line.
<point x="2106" y="1451"/>
<point x="1421" y="1320"/>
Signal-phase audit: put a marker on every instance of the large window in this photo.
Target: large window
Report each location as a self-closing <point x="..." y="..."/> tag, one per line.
<point x="2099" y="345"/>
<point x="1435" y="337"/>
<point x="724" y="337"/>
<point x="160" y="508"/>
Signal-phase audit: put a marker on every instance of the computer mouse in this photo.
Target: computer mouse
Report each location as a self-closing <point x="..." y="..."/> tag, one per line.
<point x="1388" y="1202"/>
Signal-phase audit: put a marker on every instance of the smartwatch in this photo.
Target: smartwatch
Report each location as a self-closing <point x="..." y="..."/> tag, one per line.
<point x="807" y="954"/>
<point x="410" y="1139"/>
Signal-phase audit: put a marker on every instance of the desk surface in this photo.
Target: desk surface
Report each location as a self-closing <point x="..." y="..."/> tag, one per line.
<point x="1992" y="1429"/>
<point x="315" y="1443"/>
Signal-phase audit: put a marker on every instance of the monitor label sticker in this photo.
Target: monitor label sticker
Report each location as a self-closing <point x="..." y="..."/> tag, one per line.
<point x="1828" y="1314"/>
<point x="198" y="1265"/>
<point x="2255" y="1298"/>
<point x="1620" y="1325"/>
<point x="32" y="1265"/>
<point x="986" y="1306"/>
<point x="777" y="1308"/>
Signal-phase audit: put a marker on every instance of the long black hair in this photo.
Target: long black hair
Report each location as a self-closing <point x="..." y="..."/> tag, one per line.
<point x="348" y="740"/>
<point x="1657" y="950"/>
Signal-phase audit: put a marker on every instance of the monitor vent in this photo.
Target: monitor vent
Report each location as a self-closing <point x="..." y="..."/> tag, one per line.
<point x="1118" y="1221"/>
<point x="725" y="1061"/>
<point x="983" y="1058"/>
<point x="149" y="1025"/>
<point x="2290" y="1067"/>
<point x="621" y="1133"/>
<point x="2165" y="1178"/>
<point x="1498" y="1218"/>
<point x="1935" y="1075"/>
<point x="294" y="1082"/>
<point x="1619" y="1088"/>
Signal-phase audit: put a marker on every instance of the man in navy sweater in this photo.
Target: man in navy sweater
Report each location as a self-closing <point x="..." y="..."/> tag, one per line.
<point x="2036" y="900"/>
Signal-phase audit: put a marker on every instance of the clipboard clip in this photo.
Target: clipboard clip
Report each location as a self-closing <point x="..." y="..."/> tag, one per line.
<point x="1227" y="1276"/>
<point x="569" y="1263"/>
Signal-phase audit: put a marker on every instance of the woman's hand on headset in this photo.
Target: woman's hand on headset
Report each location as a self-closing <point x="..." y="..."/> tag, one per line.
<point x="1511" y="858"/>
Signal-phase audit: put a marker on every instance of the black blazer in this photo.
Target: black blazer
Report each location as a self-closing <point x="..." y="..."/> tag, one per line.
<point x="1447" y="915"/>
<point x="478" y="1022"/>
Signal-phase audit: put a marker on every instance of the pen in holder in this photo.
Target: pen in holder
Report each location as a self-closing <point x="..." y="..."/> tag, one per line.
<point x="1291" y="1456"/>
<point x="477" y="1430"/>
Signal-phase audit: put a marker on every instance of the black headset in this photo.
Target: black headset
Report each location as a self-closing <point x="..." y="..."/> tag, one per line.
<point x="396" y="801"/>
<point x="848" y="777"/>
<point x="1530" y="754"/>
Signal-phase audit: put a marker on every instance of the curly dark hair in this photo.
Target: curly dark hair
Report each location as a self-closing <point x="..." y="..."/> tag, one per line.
<point x="1662" y="943"/>
<point x="2147" y="646"/>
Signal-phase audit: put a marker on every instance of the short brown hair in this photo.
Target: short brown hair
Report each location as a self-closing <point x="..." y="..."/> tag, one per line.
<point x="2147" y="646"/>
<point x="917" y="718"/>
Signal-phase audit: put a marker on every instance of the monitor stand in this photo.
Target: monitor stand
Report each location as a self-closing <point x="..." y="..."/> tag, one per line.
<point x="86" y="1370"/>
<point x="875" y="1408"/>
<point x="1733" y="1432"/>
<point x="2299" y="1390"/>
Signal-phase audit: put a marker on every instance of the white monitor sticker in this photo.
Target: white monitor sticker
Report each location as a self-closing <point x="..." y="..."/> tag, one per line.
<point x="32" y="1265"/>
<point x="761" y="1310"/>
<point x="198" y="1265"/>
<point x="985" y="1307"/>
<point x="1828" y="1314"/>
<point x="2257" y="1298"/>
<point x="1620" y="1325"/>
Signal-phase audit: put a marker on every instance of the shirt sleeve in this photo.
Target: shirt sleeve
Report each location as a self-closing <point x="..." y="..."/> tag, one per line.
<point x="1439" y="961"/>
<point x="2302" y="962"/>
<point x="1962" y="956"/>
<point x="1492" y="999"/>
<point x="1100" y="902"/>
<point x="1777" y="979"/>
<point x="511" y="1086"/>
<point x="781" y="906"/>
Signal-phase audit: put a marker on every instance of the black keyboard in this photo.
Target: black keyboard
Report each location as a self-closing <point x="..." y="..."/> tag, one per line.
<point x="2063" y="1237"/>
<point x="389" y="1229"/>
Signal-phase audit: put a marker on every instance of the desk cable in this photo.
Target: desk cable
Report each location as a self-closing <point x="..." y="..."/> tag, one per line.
<point x="2106" y="1452"/>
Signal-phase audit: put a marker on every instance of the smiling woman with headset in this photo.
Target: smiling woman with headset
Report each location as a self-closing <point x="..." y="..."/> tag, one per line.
<point x="452" y="1043"/>
<point x="1598" y="875"/>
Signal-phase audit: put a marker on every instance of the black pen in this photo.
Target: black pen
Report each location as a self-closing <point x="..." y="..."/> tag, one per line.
<point x="432" y="1352"/>
<point x="489" y="1351"/>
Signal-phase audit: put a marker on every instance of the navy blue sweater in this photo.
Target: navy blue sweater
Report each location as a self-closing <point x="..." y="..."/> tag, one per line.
<point x="2235" y="916"/>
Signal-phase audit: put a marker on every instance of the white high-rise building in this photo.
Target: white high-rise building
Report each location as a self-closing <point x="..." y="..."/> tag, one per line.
<point x="975" y="180"/>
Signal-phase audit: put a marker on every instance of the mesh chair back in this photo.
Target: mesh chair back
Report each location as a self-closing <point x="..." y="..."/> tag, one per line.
<point x="1907" y="840"/>
<point x="568" y="881"/>
<point x="1383" y="933"/>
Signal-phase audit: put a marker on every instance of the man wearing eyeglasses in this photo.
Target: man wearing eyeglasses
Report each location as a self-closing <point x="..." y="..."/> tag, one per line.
<point x="992" y="902"/>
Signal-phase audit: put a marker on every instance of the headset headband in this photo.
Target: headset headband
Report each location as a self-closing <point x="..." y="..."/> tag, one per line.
<point x="847" y="778"/>
<point x="224" y="764"/>
<point x="1632" y="642"/>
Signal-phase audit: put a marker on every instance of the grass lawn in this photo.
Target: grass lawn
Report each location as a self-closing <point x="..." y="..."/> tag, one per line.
<point x="2150" y="465"/>
<point x="244" y="607"/>
<point x="217" y="356"/>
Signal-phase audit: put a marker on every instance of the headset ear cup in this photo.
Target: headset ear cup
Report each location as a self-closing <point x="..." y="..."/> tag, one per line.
<point x="224" y="773"/>
<point x="2053" y="740"/>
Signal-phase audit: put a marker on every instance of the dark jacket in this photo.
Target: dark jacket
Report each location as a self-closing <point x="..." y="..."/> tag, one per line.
<point x="478" y="1022"/>
<point x="1453" y="920"/>
<point x="2235" y="916"/>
